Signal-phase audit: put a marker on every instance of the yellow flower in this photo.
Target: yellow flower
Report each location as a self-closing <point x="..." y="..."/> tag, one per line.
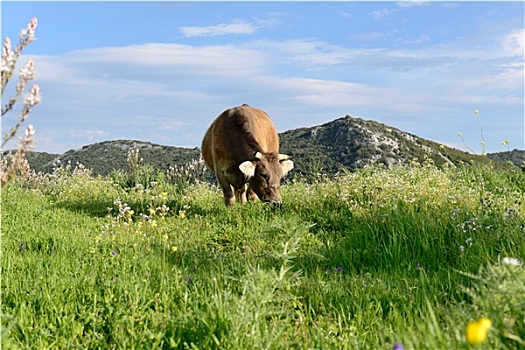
<point x="174" y="248"/>
<point x="459" y="133"/>
<point x="165" y="237"/>
<point x="477" y="331"/>
<point x="153" y="223"/>
<point x="476" y="111"/>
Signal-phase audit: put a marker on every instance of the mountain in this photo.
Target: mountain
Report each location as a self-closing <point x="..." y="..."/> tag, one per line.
<point x="353" y="143"/>
<point x="516" y="157"/>
<point x="346" y="142"/>
<point x="105" y="157"/>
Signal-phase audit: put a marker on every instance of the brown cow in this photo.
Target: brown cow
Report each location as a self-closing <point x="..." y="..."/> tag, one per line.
<point x="242" y="147"/>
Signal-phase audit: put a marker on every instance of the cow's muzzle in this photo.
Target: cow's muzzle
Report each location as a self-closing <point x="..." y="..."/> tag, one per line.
<point x="274" y="201"/>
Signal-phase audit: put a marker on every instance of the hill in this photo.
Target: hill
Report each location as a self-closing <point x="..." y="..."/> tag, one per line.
<point x="356" y="143"/>
<point x="516" y="157"/>
<point x="105" y="157"/>
<point x="346" y="142"/>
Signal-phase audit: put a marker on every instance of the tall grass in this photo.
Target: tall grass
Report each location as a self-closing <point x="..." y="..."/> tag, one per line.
<point x="369" y="259"/>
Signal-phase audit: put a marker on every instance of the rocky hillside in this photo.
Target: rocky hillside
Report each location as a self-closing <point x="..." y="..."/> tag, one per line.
<point x="105" y="157"/>
<point x="347" y="142"/>
<point x="355" y="143"/>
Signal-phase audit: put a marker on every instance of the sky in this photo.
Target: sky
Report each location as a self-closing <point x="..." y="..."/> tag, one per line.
<point x="161" y="72"/>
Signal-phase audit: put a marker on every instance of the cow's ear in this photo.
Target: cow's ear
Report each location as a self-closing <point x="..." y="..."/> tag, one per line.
<point x="286" y="165"/>
<point x="247" y="168"/>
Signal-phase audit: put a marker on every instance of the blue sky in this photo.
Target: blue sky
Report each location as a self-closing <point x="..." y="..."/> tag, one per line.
<point x="162" y="71"/>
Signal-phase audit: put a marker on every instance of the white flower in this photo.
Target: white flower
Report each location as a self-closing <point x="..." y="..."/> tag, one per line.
<point x="511" y="261"/>
<point x="8" y="56"/>
<point x="28" y="73"/>
<point x="30" y="131"/>
<point x="33" y="98"/>
<point x="7" y="46"/>
<point x="29" y="32"/>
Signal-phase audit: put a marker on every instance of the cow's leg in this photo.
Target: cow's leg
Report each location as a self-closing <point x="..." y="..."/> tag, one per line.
<point x="229" y="196"/>
<point x="250" y="194"/>
<point x="241" y="194"/>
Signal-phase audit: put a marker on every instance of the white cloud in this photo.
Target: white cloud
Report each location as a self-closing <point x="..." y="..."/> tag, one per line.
<point x="369" y="36"/>
<point x="401" y="5"/>
<point x="513" y="43"/>
<point x="451" y="5"/>
<point x="171" y="59"/>
<point x="419" y="40"/>
<point x="380" y="14"/>
<point x="89" y="134"/>
<point x="169" y="93"/>
<point x="344" y="13"/>
<point x="412" y="3"/>
<point x="235" y="27"/>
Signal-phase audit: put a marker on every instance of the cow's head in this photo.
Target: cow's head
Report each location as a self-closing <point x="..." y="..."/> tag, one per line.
<point x="264" y="174"/>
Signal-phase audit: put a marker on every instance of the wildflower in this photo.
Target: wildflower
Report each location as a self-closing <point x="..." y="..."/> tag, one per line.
<point x="504" y="143"/>
<point x="510" y="212"/>
<point x="165" y="237"/>
<point x="511" y="261"/>
<point x="476" y="112"/>
<point x="340" y="269"/>
<point x="418" y="266"/>
<point x="114" y="253"/>
<point x="22" y="247"/>
<point x="33" y="98"/>
<point x="28" y="73"/>
<point x="477" y="331"/>
<point x="153" y="223"/>
<point x="29" y="32"/>
<point x="398" y="346"/>
<point x="459" y="134"/>
<point x="30" y="131"/>
<point x="8" y="56"/>
<point x="174" y="248"/>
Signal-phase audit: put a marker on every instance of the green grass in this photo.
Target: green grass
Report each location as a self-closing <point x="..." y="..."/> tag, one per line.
<point x="363" y="261"/>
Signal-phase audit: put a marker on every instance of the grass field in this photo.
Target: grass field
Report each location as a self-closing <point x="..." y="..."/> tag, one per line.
<point x="365" y="261"/>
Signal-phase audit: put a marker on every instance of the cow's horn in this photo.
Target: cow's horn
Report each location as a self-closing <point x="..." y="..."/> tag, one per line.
<point x="258" y="155"/>
<point x="284" y="157"/>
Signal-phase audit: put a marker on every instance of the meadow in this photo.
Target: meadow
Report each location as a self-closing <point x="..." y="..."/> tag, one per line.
<point x="376" y="259"/>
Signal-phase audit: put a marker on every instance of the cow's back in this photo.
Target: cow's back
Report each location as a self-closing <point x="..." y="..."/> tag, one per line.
<point x="236" y="135"/>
